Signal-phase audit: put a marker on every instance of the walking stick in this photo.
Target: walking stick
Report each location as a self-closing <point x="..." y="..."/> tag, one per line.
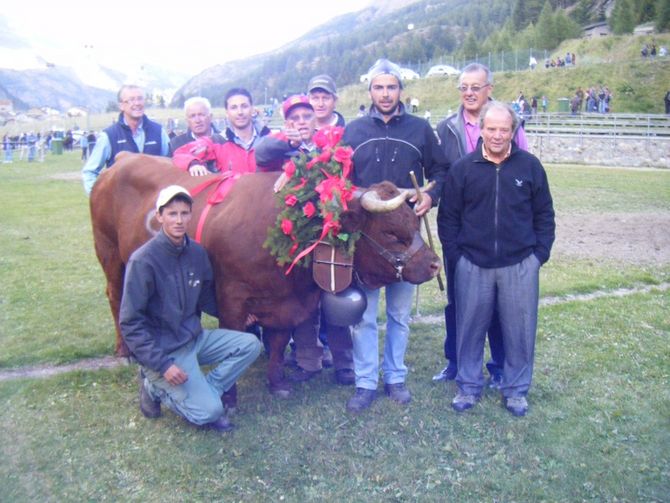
<point x="419" y="198"/>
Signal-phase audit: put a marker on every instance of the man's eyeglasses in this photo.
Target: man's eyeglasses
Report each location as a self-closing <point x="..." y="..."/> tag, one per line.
<point x="474" y="88"/>
<point x="134" y="99"/>
<point x="301" y="117"/>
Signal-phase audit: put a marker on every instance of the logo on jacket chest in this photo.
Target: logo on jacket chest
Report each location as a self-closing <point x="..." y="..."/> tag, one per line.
<point x="518" y="183"/>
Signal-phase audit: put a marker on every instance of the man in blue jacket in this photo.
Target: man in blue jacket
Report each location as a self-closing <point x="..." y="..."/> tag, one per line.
<point x="498" y="225"/>
<point x="132" y="132"/>
<point x="168" y="283"/>
<point x="388" y="144"/>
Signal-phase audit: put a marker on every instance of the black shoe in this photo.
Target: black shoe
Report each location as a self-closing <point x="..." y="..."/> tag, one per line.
<point x="495" y="381"/>
<point x="150" y="408"/>
<point x="302" y="375"/>
<point x="398" y="392"/>
<point x="345" y="377"/>
<point x="222" y="425"/>
<point x="517" y="405"/>
<point x="361" y="400"/>
<point x="463" y="402"/>
<point x="448" y="373"/>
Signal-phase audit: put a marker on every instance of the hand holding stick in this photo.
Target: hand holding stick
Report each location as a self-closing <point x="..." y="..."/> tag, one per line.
<point x="419" y="197"/>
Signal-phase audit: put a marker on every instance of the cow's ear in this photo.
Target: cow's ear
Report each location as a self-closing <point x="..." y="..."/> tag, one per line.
<point x="352" y="221"/>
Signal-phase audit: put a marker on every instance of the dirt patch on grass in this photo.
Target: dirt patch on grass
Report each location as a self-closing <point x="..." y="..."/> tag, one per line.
<point x="634" y="237"/>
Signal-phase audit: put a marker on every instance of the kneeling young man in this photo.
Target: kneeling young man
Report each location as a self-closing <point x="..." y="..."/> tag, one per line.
<point x="168" y="283"/>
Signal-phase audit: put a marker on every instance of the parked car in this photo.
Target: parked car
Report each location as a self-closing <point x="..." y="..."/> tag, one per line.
<point x="443" y="70"/>
<point x="409" y="74"/>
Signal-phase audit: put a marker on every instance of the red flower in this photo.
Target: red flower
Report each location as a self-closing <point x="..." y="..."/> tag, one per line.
<point x="293" y="249"/>
<point x="309" y="209"/>
<point x="328" y="136"/>
<point x="290" y="200"/>
<point x="289" y="169"/>
<point x="303" y="182"/>
<point x="328" y="186"/>
<point x="322" y="157"/>
<point x="287" y="226"/>
<point x="343" y="156"/>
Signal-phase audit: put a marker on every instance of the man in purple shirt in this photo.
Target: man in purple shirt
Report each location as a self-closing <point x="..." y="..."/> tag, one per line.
<point x="459" y="135"/>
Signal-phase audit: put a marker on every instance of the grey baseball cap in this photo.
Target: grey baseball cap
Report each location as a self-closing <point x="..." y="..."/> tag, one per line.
<point x="324" y="82"/>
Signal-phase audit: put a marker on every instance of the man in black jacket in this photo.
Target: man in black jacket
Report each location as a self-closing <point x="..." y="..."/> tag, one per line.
<point x="498" y="224"/>
<point x="388" y="144"/>
<point x="168" y="283"/>
<point x="458" y="135"/>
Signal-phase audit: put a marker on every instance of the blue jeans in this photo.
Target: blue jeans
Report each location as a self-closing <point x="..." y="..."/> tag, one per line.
<point x="198" y="400"/>
<point x="516" y="290"/>
<point x="366" y="337"/>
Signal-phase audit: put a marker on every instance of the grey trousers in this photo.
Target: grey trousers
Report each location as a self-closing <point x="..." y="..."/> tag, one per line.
<point x="199" y="399"/>
<point x="516" y="289"/>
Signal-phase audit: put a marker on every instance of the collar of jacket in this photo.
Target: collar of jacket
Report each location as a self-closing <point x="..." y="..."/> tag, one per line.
<point x="479" y="157"/>
<point x="167" y="244"/>
<point x="259" y="128"/>
<point x="123" y="124"/>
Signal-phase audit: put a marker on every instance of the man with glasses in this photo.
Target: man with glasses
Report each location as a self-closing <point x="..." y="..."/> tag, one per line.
<point x="459" y="134"/>
<point x="132" y="132"/>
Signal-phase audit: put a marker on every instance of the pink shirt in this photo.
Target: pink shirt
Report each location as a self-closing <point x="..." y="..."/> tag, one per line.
<point x="472" y="134"/>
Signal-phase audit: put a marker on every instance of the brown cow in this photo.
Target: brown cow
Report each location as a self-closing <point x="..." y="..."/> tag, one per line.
<point x="248" y="280"/>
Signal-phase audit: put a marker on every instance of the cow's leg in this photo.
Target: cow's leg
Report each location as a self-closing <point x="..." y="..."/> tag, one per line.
<point x="278" y="340"/>
<point x="114" y="268"/>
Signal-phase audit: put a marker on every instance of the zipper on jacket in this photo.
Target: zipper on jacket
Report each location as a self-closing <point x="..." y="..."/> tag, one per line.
<point x="495" y="215"/>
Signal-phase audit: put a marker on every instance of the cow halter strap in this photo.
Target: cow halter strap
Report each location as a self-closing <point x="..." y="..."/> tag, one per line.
<point x="397" y="260"/>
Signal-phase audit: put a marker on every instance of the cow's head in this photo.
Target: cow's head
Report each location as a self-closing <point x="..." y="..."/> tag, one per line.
<point x="390" y="248"/>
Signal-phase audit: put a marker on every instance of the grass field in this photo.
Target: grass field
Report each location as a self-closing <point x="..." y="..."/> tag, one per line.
<point x="598" y="429"/>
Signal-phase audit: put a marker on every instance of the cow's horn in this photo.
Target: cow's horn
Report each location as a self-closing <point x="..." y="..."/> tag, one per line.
<point x="371" y="201"/>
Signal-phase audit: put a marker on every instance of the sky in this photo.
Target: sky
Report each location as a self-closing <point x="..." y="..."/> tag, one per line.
<point x="185" y="36"/>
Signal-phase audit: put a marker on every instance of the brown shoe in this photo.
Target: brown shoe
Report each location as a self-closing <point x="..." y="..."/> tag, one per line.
<point x="398" y="392"/>
<point x="150" y="408"/>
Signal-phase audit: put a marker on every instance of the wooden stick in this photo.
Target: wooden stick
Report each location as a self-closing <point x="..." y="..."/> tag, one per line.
<point x="419" y="198"/>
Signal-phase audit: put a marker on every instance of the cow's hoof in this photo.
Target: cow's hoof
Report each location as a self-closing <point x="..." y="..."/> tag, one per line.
<point x="280" y="390"/>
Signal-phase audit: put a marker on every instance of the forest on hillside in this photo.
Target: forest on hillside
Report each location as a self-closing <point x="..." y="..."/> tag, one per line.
<point x="427" y="32"/>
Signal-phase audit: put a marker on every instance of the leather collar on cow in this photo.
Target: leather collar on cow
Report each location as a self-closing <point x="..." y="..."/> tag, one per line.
<point x="397" y="260"/>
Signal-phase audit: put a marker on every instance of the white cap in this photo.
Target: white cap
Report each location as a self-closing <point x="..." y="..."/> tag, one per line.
<point x="167" y="194"/>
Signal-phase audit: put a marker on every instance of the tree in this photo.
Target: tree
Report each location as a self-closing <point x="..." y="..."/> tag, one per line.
<point x="623" y="18"/>
<point x="646" y="11"/>
<point x="546" y="28"/>
<point x="663" y="15"/>
<point x="470" y="47"/>
<point x="582" y="12"/>
<point x="519" y="15"/>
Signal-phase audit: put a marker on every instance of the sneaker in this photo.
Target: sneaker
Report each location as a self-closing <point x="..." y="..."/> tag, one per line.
<point x="150" y="408"/>
<point x="463" y="402"/>
<point x="398" y="393"/>
<point x="361" y="400"/>
<point x="327" y="360"/>
<point x="517" y="405"/>
<point x="302" y="375"/>
<point x="222" y="425"/>
<point x="448" y="373"/>
<point x="345" y="377"/>
<point x="495" y="381"/>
